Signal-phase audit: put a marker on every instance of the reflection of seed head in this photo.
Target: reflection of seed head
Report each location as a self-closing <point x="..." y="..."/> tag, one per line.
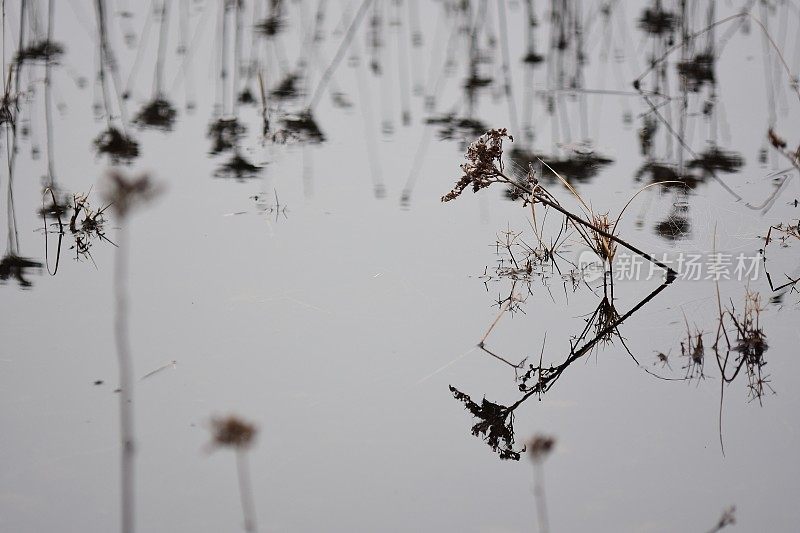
<point x="540" y="446"/>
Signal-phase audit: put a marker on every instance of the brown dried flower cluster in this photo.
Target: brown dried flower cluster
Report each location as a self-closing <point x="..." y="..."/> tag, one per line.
<point x="233" y="431"/>
<point x="540" y="446"/>
<point x="484" y="164"/>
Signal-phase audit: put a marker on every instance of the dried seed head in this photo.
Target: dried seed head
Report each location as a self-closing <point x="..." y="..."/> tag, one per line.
<point x="606" y="248"/>
<point x="484" y="163"/>
<point x="233" y="431"/>
<point x="540" y="446"/>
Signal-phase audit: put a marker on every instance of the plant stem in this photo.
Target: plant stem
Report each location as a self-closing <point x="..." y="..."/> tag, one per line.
<point x="671" y="274"/>
<point x="126" y="429"/>
<point x="326" y="76"/>
<point x="246" y="491"/>
<point x="538" y="494"/>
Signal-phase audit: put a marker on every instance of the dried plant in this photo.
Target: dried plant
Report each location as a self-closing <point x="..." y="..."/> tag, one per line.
<point x="521" y="264"/>
<point x="158" y="114"/>
<point x="238" y="168"/>
<point x="539" y="447"/>
<point x="274" y="22"/>
<point x="86" y="225"/>
<point x="288" y="88"/>
<point x="657" y="21"/>
<point x="484" y="167"/>
<point x="728" y="518"/>
<point x="43" y="50"/>
<point x="117" y="145"/>
<point x="604" y="246"/>
<point x="717" y="160"/>
<point x="225" y="134"/>
<point x="663" y="359"/>
<point x="697" y="71"/>
<point x="239" y="435"/>
<point x="7" y="106"/>
<point x="302" y="127"/>
<point x="232" y="432"/>
<point x="750" y="345"/>
<point x="14" y="266"/>
<point x="786" y="233"/>
<point x="124" y="194"/>
<point x="452" y="126"/>
<point x="496" y="425"/>
<point x="484" y="164"/>
<point x="694" y="351"/>
<point x="604" y="316"/>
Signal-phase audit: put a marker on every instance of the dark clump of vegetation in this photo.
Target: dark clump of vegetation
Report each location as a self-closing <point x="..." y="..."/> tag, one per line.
<point x="232" y="432"/>
<point x="668" y="175"/>
<point x="717" y="160"/>
<point x="576" y="168"/>
<point x="246" y="97"/>
<point x="43" y="50"/>
<point x="6" y="116"/>
<point x="532" y="58"/>
<point x="14" y="266"/>
<point x="86" y="225"/>
<point x="579" y="167"/>
<point x="475" y="82"/>
<point x="116" y="145"/>
<point x="238" y="168"/>
<point x="225" y="134"/>
<point x="274" y="23"/>
<point x="270" y="26"/>
<point x="657" y="21"/>
<point x="495" y="426"/>
<point x="303" y="127"/>
<point x="540" y="446"/>
<point x="674" y="228"/>
<point x="696" y="72"/>
<point x="158" y="114"/>
<point x="288" y="88"/>
<point x="453" y="126"/>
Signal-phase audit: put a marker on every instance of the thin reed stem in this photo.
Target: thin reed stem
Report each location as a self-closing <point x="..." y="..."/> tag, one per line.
<point x="671" y="274"/>
<point x="246" y="491"/>
<point x="326" y="76"/>
<point x="122" y="341"/>
<point x="539" y="496"/>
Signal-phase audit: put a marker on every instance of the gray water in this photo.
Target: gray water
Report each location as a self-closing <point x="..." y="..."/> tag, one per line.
<point x="330" y="298"/>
